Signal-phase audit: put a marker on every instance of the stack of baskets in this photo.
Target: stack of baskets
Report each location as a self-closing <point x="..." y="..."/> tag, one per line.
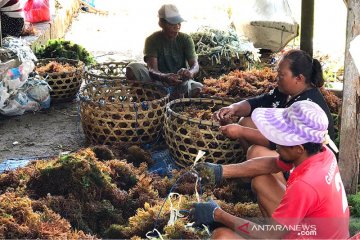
<point x="103" y="72"/>
<point x="64" y="84"/>
<point x="122" y="111"/>
<point x="186" y="136"/>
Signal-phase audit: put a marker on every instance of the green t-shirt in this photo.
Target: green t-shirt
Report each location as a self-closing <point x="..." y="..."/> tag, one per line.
<point x="172" y="55"/>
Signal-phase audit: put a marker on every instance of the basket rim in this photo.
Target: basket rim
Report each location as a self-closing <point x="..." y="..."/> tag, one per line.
<point x="225" y="98"/>
<point x="118" y="83"/>
<point x="79" y="65"/>
<point x="199" y="100"/>
<point x="108" y="77"/>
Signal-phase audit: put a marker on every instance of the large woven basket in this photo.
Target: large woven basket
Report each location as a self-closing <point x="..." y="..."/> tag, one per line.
<point x="186" y="136"/>
<point x="104" y="72"/>
<point x="64" y="85"/>
<point x="122" y="111"/>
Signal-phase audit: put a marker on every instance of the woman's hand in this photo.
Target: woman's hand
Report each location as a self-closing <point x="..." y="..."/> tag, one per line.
<point x="232" y="131"/>
<point x="225" y="113"/>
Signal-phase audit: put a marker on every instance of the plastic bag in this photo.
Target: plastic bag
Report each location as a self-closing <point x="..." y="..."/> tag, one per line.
<point x="39" y="91"/>
<point x="4" y="95"/>
<point x="37" y="11"/>
<point x="16" y="77"/>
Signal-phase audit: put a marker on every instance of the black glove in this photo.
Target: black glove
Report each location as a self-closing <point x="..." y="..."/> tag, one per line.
<point x="203" y="213"/>
<point x="209" y="173"/>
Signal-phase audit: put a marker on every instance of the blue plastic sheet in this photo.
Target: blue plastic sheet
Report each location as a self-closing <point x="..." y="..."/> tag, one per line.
<point x="11" y="164"/>
<point x="164" y="162"/>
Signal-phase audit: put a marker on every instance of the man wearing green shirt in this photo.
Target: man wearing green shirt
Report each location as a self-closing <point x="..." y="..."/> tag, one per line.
<point x="169" y="55"/>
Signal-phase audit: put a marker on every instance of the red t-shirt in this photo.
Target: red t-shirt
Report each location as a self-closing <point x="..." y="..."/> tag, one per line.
<point x="314" y="204"/>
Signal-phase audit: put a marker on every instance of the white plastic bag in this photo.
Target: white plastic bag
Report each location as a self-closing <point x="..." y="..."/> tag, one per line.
<point x="39" y="91"/>
<point x="18" y="104"/>
<point x="17" y="77"/>
<point x="4" y="95"/>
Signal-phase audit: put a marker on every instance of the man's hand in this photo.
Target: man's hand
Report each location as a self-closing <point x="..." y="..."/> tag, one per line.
<point x="172" y="79"/>
<point x="232" y="131"/>
<point x="185" y="74"/>
<point x="203" y="213"/>
<point x="209" y="173"/>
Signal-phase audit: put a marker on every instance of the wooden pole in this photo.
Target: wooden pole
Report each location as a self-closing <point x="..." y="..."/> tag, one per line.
<point x="307" y="26"/>
<point x="350" y="119"/>
<point x="0" y="33"/>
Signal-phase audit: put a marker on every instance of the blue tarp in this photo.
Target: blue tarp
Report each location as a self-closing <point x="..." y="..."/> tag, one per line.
<point x="164" y="163"/>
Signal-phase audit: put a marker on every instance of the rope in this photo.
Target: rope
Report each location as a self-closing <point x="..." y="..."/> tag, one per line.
<point x="170" y="191"/>
<point x="158" y="233"/>
<point x="174" y="212"/>
<point x="192" y="172"/>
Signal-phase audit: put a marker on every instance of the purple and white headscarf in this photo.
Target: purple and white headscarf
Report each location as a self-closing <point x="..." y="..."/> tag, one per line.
<point x="302" y="122"/>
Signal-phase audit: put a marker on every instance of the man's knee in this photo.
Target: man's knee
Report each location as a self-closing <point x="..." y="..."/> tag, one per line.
<point x="137" y="71"/>
<point x="224" y="233"/>
<point x="247" y="122"/>
<point x="255" y="151"/>
<point x="258" y="182"/>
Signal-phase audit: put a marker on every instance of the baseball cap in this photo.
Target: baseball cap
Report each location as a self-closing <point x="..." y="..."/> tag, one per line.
<point x="302" y="122"/>
<point x="170" y="13"/>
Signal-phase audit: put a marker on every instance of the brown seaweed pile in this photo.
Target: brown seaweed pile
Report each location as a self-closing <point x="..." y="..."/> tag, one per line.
<point x="241" y="84"/>
<point x="21" y="217"/>
<point x="79" y="196"/>
<point x="244" y="84"/>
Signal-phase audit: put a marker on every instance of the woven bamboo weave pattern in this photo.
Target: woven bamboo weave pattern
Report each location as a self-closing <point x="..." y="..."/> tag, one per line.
<point x="186" y="136"/>
<point x="122" y="111"/>
<point x="64" y="85"/>
<point x="103" y="72"/>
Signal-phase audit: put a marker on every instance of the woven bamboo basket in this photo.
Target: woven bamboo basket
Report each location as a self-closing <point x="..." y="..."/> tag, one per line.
<point x="105" y="72"/>
<point x="210" y="67"/>
<point x="64" y="85"/>
<point x="186" y="136"/>
<point x="122" y="111"/>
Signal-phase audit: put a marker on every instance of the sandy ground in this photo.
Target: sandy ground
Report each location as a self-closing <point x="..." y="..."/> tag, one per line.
<point x="45" y="133"/>
<point x="117" y="36"/>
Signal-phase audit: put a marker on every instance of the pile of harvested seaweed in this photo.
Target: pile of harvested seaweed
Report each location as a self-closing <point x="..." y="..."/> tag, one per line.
<point x="238" y="85"/>
<point x="55" y="67"/>
<point x="79" y="196"/>
<point x="241" y="84"/>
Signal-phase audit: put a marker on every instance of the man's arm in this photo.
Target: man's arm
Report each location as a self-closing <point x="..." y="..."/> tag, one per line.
<point x="248" y="229"/>
<point x="251" y="168"/>
<point x="169" y="78"/>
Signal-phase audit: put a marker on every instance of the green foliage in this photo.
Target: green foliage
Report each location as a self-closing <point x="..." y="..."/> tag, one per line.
<point x="354" y="226"/>
<point x="336" y="118"/>
<point x="60" y="48"/>
<point x="354" y="202"/>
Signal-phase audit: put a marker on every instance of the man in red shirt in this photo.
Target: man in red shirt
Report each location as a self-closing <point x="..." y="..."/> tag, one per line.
<point x="311" y="204"/>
